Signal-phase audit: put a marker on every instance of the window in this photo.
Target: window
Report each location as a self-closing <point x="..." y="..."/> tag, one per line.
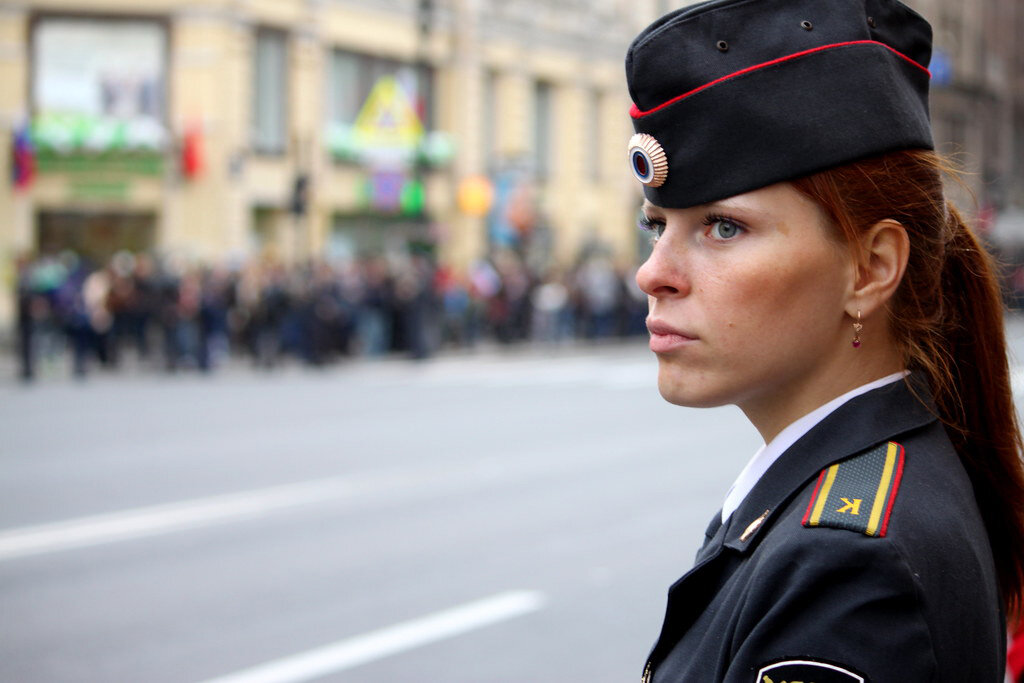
<point x="99" y="83"/>
<point x="351" y="78"/>
<point x="344" y="87"/>
<point x="542" y="123"/>
<point x="351" y="81"/>
<point x="270" y="90"/>
<point x="490" y="127"/>
<point x="956" y="134"/>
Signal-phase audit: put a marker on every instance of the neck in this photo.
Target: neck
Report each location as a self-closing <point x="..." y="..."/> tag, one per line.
<point x="772" y="413"/>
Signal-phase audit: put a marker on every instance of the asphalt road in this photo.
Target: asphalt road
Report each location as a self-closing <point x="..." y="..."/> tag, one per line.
<point x="485" y="518"/>
<point x="495" y="517"/>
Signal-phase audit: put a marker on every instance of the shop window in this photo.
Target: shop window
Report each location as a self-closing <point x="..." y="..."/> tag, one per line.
<point x="98" y="85"/>
<point x="270" y="89"/>
<point x="94" y="236"/>
<point x="265" y="231"/>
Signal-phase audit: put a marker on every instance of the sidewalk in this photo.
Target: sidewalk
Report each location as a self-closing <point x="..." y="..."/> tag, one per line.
<point x="631" y="347"/>
<point x="60" y="371"/>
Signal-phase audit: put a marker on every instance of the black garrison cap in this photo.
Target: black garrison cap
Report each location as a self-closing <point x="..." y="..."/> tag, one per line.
<point x="733" y="95"/>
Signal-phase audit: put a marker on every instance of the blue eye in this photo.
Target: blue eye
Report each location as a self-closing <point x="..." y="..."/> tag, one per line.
<point x="722" y="228"/>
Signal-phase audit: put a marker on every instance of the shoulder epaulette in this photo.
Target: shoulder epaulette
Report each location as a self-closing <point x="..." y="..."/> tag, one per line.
<point x="858" y="493"/>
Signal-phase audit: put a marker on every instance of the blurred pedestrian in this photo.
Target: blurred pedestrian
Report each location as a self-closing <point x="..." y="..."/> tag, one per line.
<point x="600" y="290"/>
<point x="552" y="320"/>
<point x="456" y="306"/>
<point x="32" y="307"/>
<point x="807" y="268"/>
<point x="96" y="291"/>
<point x="414" y="304"/>
<point x="375" y="305"/>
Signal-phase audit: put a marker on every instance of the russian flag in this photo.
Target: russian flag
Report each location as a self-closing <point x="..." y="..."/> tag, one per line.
<point x="23" y="168"/>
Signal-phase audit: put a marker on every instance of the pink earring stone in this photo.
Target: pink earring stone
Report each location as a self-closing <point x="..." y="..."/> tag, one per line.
<point x="856" y="343"/>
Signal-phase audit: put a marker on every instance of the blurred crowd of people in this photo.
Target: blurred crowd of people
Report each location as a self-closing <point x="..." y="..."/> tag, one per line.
<point x="173" y="314"/>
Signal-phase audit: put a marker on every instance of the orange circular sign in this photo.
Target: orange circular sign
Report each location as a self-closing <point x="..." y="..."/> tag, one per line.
<point x="476" y="193"/>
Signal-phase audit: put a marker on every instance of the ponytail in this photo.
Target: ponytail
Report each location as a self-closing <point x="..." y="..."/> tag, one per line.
<point x="947" y="320"/>
<point x="976" y="400"/>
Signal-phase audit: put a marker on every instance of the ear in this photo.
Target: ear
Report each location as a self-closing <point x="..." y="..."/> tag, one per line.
<point x="879" y="267"/>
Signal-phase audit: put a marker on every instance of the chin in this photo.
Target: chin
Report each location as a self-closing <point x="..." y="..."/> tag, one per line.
<point x="689" y="394"/>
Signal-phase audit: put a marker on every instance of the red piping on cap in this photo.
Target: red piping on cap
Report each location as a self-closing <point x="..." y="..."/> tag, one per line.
<point x="636" y="113"/>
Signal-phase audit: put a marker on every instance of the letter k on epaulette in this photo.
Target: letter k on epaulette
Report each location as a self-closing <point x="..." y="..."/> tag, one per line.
<point x="858" y="493"/>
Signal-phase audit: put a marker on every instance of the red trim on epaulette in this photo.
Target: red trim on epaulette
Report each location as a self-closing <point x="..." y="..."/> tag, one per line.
<point x="635" y="112"/>
<point x="814" y="496"/>
<point x="892" y="494"/>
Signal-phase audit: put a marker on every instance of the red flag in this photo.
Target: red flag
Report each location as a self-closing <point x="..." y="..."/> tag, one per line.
<point x="192" y="152"/>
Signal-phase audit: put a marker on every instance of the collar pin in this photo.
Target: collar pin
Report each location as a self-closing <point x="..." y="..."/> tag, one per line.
<point x="754" y="526"/>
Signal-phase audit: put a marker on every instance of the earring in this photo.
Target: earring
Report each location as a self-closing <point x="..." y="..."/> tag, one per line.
<point x="857" y="327"/>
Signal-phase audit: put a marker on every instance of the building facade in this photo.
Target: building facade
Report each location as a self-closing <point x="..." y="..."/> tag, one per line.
<point x="233" y="129"/>
<point x="978" y="95"/>
<point x="225" y="130"/>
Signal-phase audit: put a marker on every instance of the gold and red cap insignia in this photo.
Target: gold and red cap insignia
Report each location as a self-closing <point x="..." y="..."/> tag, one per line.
<point x="648" y="160"/>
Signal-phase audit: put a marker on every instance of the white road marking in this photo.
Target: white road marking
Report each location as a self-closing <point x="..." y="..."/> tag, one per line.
<point x="147" y="521"/>
<point x="425" y="481"/>
<point x="353" y="652"/>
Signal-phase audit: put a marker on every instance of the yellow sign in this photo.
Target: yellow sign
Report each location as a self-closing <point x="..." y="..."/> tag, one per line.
<point x="388" y="119"/>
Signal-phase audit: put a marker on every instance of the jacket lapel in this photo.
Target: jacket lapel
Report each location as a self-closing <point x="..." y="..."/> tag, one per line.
<point x="690" y="595"/>
<point x="710" y="544"/>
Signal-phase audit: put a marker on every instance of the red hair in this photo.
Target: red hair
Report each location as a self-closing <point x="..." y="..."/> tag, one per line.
<point x="947" y="320"/>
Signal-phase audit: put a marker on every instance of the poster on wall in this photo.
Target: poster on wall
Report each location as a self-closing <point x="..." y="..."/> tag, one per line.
<point x="99" y="85"/>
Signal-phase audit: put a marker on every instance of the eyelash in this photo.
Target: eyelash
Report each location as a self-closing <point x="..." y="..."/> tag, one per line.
<point x="651" y="226"/>
<point x="655" y="227"/>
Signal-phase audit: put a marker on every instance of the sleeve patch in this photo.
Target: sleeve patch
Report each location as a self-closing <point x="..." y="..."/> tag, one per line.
<point x="806" y="671"/>
<point x="858" y="493"/>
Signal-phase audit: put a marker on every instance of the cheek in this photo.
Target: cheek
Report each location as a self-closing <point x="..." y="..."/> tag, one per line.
<point x="769" y="303"/>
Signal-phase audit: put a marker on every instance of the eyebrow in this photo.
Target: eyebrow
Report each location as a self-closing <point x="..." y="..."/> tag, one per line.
<point x="648" y="207"/>
<point x="718" y="205"/>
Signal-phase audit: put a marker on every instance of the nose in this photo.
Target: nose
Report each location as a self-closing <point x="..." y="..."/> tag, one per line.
<point x="661" y="275"/>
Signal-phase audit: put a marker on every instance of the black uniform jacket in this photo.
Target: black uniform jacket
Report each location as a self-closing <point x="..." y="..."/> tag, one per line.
<point x="793" y="587"/>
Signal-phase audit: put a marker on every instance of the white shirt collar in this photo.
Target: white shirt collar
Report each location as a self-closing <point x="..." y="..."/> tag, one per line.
<point x="769" y="453"/>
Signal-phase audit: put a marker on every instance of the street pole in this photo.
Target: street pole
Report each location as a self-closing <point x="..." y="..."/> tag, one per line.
<point x="425" y="17"/>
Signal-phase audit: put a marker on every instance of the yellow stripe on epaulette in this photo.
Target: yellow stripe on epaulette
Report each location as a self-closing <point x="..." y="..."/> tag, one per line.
<point x="858" y="493"/>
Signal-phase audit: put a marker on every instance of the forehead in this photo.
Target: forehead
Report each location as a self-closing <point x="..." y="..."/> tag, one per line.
<point x="779" y="197"/>
<point x="780" y="207"/>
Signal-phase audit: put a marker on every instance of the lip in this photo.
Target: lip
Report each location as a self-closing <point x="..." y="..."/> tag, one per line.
<point x="665" y="338"/>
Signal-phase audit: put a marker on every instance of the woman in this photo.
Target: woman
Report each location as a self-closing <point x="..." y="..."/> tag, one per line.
<point x="808" y="269"/>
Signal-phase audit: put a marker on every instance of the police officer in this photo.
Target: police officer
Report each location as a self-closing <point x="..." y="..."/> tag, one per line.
<point x="807" y="268"/>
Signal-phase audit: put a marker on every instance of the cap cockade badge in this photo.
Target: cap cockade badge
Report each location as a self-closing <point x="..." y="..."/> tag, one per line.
<point x="647" y="159"/>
